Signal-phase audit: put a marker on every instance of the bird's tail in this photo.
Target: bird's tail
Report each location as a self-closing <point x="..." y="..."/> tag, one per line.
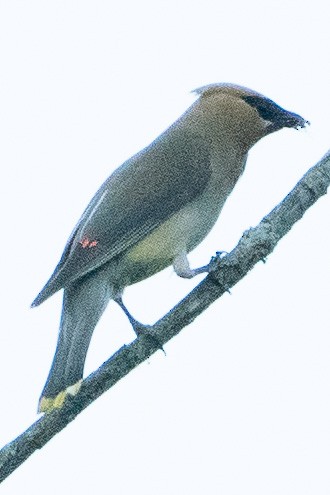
<point x="83" y="304"/>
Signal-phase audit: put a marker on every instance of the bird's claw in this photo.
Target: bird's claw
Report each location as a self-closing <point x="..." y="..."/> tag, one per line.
<point x="146" y="331"/>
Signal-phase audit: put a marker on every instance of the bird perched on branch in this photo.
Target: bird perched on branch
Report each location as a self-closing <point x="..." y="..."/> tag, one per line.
<point x="152" y="211"/>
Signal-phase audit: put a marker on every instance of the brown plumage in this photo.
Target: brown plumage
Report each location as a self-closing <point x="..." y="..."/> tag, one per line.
<point x="152" y="211"/>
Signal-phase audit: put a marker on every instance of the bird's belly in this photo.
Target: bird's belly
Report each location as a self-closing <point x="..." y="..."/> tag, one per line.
<point x="182" y="232"/>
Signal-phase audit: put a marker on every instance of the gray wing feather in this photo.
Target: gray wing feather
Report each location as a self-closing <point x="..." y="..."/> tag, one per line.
<point x="139" y="196"/>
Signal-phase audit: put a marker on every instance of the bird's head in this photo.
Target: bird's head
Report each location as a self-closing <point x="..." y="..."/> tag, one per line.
<point x="246" y="114"/>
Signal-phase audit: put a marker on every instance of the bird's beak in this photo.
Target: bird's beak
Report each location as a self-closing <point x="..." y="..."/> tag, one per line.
<point x="293" y="120"/>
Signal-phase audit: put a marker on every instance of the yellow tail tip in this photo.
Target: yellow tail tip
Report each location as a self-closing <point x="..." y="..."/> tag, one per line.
<point x="48" y="404"/>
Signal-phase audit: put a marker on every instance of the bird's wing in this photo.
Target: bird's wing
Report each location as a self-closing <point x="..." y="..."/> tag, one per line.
<point x="139" y="196"/>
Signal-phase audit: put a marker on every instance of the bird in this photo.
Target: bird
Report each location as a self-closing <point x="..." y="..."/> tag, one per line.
<point x="149" y="214"/>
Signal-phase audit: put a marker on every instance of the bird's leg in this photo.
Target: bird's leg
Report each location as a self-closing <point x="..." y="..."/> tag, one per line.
<point x="182" y="268"/>
<point x="139" y="328"/>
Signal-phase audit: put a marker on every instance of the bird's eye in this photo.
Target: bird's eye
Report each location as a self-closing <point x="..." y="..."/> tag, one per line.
<point x="275" y="116"/>
<point x="267" y="109"/>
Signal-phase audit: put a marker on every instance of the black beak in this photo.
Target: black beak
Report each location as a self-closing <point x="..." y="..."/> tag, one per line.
<point x="277" y="116"/>
<point x="293" y="120"/>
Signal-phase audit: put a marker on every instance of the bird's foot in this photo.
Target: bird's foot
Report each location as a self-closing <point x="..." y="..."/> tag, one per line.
<point x="198" y="271"/>
<point x="216" y="259"/>
<point x="182" y="268"/>
<point x="140" y="329"/>
<point x="146" y="331"/>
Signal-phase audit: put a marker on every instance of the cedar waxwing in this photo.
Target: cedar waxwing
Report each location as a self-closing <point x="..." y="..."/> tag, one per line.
<point x="152" y="211"/>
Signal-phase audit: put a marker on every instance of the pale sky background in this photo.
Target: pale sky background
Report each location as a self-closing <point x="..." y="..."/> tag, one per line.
<point x="241" y="402"/>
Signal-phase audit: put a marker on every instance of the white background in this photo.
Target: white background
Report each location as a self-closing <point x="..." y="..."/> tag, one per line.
<point x="241" y="402"/>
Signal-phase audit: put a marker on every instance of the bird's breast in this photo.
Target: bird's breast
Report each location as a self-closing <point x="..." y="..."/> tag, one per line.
<point x="186" y="228"/>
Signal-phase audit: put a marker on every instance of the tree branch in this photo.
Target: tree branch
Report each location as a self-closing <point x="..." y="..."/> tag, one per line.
<point x="255" y="245"/>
